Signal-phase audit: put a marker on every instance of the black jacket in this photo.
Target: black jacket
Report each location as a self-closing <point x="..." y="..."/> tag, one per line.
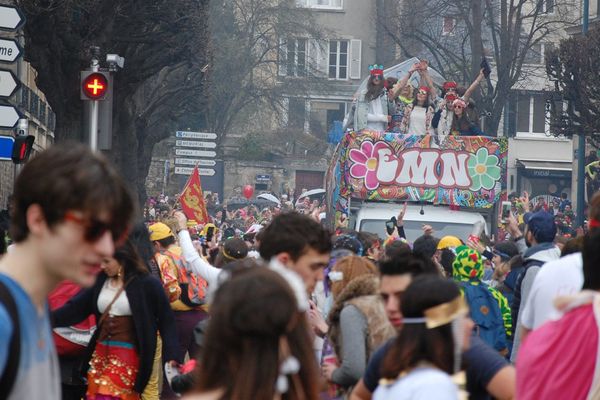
<point x="150" y="311"/>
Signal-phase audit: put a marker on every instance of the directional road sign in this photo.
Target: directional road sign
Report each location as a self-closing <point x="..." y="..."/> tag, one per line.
<point x="194" y="143"/>
<point x="9" y="116"/>
<point x="8" y="83"/>
<point x="195" y="135"/>
<point x="10" y="18"/>
<point x="193" y="161"/>
<point x="9" y="50"/>
<point x="189" y="170"/>
<point x="6" y="147"/>
<point x="195" y="153"/>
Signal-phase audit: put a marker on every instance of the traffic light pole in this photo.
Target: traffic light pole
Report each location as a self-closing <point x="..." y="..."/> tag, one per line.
<point x="581" y="138"/>
<point x="95" y="66"/>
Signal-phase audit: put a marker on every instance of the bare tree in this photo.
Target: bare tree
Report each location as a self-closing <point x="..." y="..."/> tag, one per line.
<point x="164" y="44"/>
<point x="456" y="34"/>
<point x="250" y="40"/>
<point x="576" y="106"/>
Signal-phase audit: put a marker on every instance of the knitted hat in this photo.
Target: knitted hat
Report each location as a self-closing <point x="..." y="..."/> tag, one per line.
<point x="467" y="265"/>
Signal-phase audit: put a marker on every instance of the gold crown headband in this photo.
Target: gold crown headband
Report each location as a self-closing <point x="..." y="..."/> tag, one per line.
<point x="442" y="314"/>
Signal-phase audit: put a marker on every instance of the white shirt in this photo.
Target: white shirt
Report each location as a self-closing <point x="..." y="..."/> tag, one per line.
<point x="376" y="119"/>
<point x="420" y="384"/>
<point x="556" y="278"/>
<point x="418" y="116"/>
<point x="108" y="292"/>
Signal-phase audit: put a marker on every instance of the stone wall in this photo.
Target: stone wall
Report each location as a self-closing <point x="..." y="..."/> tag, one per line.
<point x="7" y="174"/>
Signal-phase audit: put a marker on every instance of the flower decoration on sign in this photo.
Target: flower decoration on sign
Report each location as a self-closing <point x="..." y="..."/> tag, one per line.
<point x="365" y="163"/>
<point x="483" y="169"/>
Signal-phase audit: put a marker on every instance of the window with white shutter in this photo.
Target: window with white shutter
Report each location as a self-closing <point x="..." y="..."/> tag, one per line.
<point x="338" y="59"/>
<point x="355" y="58"/>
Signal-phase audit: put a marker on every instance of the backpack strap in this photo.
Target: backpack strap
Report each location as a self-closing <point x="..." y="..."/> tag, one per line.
<point x="14" y="351"/>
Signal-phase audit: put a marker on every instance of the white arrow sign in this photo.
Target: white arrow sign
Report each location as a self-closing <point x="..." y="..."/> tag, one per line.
<point x="188" y="171"/>
<point x="195" y="153"/>
<point x="195" y="135"/>
<point x="193" y="161"/>
<point x="8" y="83"/>
<point x="193" y="143"/>
<point x="9" y="50"/>
<point x="8" y="117"/>
<point x="10" y="18"/>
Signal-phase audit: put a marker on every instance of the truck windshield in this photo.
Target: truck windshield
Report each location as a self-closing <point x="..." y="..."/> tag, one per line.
<point x="413" y="228"/>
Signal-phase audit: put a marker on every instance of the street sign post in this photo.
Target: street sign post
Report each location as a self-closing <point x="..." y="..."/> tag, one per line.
<point x="11" y="18"/>
<point x="194" y="143"/>
<point x="195" y="135"/>
<point x="9" y="116"/>
<point x="9" y="50"/>
<point x="6" y="147"/>
<point x="194" y="162"/>
<point x="8" y="83"/>
<point x="195" y="153"/>
<point x="189" y="170"/>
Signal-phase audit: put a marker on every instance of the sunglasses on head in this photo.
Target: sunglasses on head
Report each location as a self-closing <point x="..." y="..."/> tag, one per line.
<point x="94" y="229"/>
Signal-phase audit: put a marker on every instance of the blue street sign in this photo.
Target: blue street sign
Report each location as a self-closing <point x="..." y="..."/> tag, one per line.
<point x="6" y="147"/>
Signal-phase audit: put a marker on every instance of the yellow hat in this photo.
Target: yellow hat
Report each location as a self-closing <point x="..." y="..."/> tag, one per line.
<point x="159" y="231"/>
<point x="191" y="223"/>
<point x="449" y="241"/>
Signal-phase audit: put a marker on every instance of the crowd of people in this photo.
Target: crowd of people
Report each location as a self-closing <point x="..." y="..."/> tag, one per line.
<point x="389" y="104"/>
<point x="269" y="304"/>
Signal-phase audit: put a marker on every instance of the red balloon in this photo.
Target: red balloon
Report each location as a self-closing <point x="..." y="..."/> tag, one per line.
<point x="248" y="191"/>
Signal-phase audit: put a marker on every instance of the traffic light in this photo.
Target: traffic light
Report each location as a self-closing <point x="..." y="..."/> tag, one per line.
<point x="94" y="85"/>
<point x="22" y="148"/>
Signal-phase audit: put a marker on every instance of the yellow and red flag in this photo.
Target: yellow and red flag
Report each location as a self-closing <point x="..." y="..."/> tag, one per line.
<point x="192" y="199"/>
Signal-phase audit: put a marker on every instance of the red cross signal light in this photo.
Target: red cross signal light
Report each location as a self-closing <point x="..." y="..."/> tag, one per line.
<point x="94" y="85"/>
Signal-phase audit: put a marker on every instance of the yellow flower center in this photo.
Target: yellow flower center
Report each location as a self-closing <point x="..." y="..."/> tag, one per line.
<point x="480" y="169"/>
<point x="371" y="164"/>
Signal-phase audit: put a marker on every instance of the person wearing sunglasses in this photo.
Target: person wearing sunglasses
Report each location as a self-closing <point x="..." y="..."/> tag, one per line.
<point x="371" y="109"/>
<point x="461" y="124"/>
<point x="70" y="207"/>
<point x="419" y="114"/>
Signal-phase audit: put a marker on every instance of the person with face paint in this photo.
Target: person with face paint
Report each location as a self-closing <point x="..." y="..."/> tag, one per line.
<point x="372" y="109"/>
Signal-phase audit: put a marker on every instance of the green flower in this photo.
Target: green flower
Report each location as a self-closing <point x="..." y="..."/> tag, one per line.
<point x="483" y="169"/>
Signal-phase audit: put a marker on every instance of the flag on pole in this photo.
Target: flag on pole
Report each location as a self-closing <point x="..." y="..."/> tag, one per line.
<point x="192" y="199"/>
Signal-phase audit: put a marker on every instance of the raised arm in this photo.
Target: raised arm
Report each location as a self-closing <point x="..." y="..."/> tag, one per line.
<point x="473" y="86"/>
<point x="401" y="83"/>
<point x="427" y="78"/>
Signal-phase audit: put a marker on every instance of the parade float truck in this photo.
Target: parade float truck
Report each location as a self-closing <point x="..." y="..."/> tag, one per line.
<point x="448" y="182"/>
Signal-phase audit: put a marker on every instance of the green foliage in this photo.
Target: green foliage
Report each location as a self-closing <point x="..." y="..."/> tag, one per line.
<point x="254" y="147"/>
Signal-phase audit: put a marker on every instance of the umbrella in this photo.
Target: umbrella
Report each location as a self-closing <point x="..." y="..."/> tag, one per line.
<point x="270" y="197"/>
<point x="399" y="71"/>
<point x="309" y="193"/>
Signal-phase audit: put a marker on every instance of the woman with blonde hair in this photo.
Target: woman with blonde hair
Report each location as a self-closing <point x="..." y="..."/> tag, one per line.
<point x="357" y="320"/>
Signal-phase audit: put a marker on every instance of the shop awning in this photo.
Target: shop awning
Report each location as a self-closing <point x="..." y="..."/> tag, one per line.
<point x="545" y="165"/>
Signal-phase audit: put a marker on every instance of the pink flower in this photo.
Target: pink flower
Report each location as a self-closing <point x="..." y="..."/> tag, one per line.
<point x="365" y="163"/>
